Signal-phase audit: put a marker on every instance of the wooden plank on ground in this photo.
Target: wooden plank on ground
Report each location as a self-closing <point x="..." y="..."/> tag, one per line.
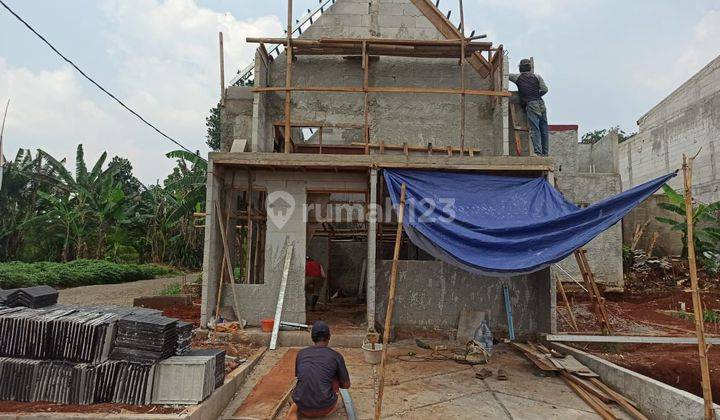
<point x="263" y="399"/>
<point x="281" y="296"/>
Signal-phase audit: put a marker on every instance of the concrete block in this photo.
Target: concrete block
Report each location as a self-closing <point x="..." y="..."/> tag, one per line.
<point x="184" y="380"/>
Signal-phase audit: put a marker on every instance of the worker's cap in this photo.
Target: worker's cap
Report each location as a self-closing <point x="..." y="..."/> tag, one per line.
<point x="307" y="258"/>
<point x="320" y="328"/>
<point x="525" y="62"/>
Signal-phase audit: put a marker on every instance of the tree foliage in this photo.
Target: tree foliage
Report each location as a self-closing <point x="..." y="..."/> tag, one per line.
<point x="212" y="122"/>
<point x="597" y="135"/>
<point x="100" y="211"/>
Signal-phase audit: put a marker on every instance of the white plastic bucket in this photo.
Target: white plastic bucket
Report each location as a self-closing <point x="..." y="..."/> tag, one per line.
<point x="372" y="356"/>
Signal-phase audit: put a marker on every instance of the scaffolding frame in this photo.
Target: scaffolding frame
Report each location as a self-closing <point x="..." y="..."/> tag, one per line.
<point x="457" y="46"/>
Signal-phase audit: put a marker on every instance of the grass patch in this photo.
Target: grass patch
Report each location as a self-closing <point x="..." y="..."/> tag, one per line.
<point x="172" y="289"/>
<point x="710" y="316"/>
<point x="76" y="273"/>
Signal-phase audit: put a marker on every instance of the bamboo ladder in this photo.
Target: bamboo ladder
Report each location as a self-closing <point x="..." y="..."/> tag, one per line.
<point x="596" y="298"/>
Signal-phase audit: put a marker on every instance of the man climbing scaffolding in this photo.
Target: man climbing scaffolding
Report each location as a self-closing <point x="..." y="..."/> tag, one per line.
<point x="532" y="88"/>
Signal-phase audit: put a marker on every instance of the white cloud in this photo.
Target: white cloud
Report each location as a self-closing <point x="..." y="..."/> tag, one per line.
<point x="697" y="51"/>
<point x="166" y="67"/>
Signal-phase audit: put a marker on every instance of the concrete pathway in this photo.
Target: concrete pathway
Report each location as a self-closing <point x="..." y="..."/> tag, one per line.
<point x="444" y="389"/>
<point x="121" y="294"/>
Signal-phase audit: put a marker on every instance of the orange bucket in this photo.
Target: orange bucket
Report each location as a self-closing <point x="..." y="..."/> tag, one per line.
<point x="267" y="324"/>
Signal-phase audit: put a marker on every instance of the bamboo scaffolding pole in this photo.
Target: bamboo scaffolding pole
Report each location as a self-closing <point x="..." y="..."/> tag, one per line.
<point x="249" y="208"/>
<point x="288" y="77"/>
<point x="391" y="303"/>
<point x="228" y="265"/>
<point x="697" y="303"/>
<point x="385" y="89"/>
<point x="462" y="79"/>
<point x="372" y="41"/>
<point x="222" y="71"/>
<point x="366" y="76"/>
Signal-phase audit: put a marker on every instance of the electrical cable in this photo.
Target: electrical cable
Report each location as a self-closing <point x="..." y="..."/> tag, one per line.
<point x="93" y="81"/>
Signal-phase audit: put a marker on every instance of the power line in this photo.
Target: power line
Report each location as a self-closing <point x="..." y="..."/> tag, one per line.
<point x="91" y="80"/>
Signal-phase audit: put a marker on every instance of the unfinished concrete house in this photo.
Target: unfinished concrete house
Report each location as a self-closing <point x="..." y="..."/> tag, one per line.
<point x="685" y="121"/>
<point x="374" y="85"/>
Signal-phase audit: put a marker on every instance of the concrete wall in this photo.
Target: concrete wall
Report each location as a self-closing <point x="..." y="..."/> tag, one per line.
<point x="605" y="251"/>
<point x="417" y="119"/>
<point x="584" y="174"/>
<point x="669" y="242"/>
<point x="236" y="117"/>
<point x="346" y="260"/>
<point x="685" y="121"/>
<point x="430" y="295"/>
<point x="262" y="132"/>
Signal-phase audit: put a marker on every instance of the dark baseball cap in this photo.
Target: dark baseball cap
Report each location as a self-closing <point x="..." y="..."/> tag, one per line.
<point x="320" y="328"/>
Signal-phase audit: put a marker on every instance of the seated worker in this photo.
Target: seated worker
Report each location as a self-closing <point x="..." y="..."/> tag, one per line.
<point x="320" y="373"/>
<point x="314" y="280"/>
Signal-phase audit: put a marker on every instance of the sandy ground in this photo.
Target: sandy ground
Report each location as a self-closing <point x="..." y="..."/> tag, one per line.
<point x="121" y="294"/>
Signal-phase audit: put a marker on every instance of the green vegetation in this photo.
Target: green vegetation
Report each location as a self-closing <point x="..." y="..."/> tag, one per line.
<point x="76" y="273"/>
<point x="710" y="316"/>
<point x="172" y="289"/>
<point x="597" y="135"/>
<point x="706" y="236"/>
<point x="102" y="212"/>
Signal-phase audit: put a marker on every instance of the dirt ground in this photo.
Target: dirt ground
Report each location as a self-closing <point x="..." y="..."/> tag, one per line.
<point x="121" y="294"/>
<point x="342" y="315"/>
<point x="650" y="306"/>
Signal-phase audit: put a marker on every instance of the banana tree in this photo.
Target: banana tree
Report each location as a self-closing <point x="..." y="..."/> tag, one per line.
<point x="707" y="234"/>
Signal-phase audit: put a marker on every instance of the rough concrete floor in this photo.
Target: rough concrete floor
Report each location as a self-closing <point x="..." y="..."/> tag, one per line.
<point x="444" y="389"/>
<point x="121" y="294"/>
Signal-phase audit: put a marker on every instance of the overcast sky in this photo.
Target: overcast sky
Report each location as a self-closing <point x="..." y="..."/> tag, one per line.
<point x="606" y="62"/>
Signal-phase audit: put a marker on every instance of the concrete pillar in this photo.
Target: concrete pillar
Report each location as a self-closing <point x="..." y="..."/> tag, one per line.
<point x="371" y="248"/>
<point x="212" y="251"/>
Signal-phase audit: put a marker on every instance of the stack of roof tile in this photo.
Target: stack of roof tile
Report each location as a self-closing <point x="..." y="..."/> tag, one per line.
<point x="61" y="334"/>
<point x="145" y="338"/>
<point x="184" y="336"/>
<point x="30" y="297"/>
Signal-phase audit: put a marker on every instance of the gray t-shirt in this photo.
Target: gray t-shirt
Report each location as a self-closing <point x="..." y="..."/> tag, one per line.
<point x="316" y="368"/>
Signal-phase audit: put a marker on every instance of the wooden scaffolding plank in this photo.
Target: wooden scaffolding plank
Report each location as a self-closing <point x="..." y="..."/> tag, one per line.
<point x="281" y="295"/>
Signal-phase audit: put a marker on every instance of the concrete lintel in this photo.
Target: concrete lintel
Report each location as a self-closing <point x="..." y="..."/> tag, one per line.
<point x="528" y="164"/>
<point x="653" y="398"/>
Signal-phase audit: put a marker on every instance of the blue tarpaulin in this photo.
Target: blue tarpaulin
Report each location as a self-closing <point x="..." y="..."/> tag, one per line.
<point x="502" y="225"/>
